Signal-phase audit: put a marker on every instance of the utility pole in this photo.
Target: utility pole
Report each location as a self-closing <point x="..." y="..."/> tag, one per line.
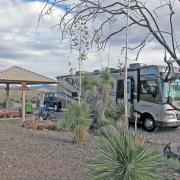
<point x="125" y="68"/>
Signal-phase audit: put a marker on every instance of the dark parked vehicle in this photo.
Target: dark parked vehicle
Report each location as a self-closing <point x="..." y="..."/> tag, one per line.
<point x="53" y="100"/>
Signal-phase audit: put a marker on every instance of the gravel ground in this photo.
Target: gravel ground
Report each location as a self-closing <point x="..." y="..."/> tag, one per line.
<point x="41" y="155"/>
<point x="47" y="155"/>
<point x="163" y="136"/>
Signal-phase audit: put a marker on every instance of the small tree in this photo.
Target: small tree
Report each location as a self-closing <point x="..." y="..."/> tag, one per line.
<point x="98" y="93"/>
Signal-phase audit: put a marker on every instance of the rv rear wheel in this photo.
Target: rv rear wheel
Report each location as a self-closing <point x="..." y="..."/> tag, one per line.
<point x="149" y="123"/>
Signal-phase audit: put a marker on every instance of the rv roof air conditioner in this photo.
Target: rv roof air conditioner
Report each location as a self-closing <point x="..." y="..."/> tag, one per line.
<point x="136" y="65"/>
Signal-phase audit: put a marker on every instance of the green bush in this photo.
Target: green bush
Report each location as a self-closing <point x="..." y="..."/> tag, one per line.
<point x="122" y="158"/>
<point x="77" y="118"/>
<point x="111" y="110"/>
<point x="3" y="104"/>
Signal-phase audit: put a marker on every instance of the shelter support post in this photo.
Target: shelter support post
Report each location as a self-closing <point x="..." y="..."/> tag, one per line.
<point x="7" y="95"/>
<point x="23" y="105"/>
<point x="24" y="88"/>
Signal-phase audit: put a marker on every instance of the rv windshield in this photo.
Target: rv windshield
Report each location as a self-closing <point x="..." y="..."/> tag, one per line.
<point x="171" y="89"/>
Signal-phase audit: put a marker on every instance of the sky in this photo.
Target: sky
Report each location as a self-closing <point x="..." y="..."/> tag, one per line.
<point x="39" y="49"/>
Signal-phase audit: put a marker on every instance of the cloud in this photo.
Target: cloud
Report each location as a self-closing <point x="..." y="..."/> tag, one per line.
<point x="22" y="44"/>
<point x="40" y="50"/>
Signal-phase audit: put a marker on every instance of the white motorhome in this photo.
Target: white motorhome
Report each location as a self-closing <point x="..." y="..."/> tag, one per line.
<point x="147" y="94"/>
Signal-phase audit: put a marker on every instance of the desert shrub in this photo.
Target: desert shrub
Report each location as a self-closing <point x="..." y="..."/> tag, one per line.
<point x="121" y="158"/>
<point x="33" y="100"/>
<point x="116" y="111"/>
<point x="77" y="118"/>
<point x="106" y="122"/>
<point x="11" y="99"/>
<point x="120" y="114"/>
<point x="17" y="100"/>
<point x="111" y="110"/>
<point x="3" y="104"/>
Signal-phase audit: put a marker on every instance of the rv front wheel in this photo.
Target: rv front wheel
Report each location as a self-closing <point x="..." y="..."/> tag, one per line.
<point x="149" y="124"/>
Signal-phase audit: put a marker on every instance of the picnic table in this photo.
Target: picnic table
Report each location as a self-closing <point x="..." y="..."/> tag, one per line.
<point x="9" y="114"/>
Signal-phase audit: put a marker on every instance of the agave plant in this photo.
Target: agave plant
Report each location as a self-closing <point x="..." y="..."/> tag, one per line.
<point x="77" y="118"/>
<point x="122" y="158"/>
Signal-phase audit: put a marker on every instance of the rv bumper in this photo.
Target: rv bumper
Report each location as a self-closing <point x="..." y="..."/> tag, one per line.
<point x="168" y="124"/>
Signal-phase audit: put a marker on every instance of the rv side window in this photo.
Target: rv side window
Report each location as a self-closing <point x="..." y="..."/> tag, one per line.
<point x="120" y="89"/>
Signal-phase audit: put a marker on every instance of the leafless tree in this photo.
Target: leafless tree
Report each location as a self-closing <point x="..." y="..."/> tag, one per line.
<point x="79" y="41"/>
<point x="115" y="12"/>
<point x="102" y="13"/>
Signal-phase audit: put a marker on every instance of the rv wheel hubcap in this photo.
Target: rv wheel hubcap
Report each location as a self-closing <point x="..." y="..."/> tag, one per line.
<point x="149" y="123"/>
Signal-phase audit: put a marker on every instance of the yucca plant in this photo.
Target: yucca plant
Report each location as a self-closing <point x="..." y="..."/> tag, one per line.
<point x="103" y="96"/>
<point x="122" y="158"/>
<point x="106" y="79"/>
<point x="88" y="81"/>
<point x="121" y="115"/>
<point x="77" y="118"/>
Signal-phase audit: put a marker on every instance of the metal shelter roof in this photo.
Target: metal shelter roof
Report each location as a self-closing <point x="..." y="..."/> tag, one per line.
<point x="18" y="75"/>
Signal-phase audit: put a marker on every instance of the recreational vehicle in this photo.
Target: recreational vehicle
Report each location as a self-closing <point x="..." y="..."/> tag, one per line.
<point x="147" y="94"/>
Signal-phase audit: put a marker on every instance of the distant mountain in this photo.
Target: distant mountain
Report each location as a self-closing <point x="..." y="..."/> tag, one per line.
<point x="33" y="87"/>
<point x="45" y="86"/>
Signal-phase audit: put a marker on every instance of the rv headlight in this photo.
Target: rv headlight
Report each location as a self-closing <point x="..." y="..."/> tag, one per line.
<point x="169" y="116"/>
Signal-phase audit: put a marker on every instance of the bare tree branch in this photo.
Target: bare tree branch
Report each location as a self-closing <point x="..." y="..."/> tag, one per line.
<point x="100" y="13"/>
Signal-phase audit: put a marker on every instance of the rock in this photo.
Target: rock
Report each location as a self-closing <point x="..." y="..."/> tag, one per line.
<point x="149" y="141"/>
<point x="10" y="166"/>
<point x="177" y="175"/>
<point x="49" y="125"/>
<point x="30" y="124"/>
<point x="167" y="151"/>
